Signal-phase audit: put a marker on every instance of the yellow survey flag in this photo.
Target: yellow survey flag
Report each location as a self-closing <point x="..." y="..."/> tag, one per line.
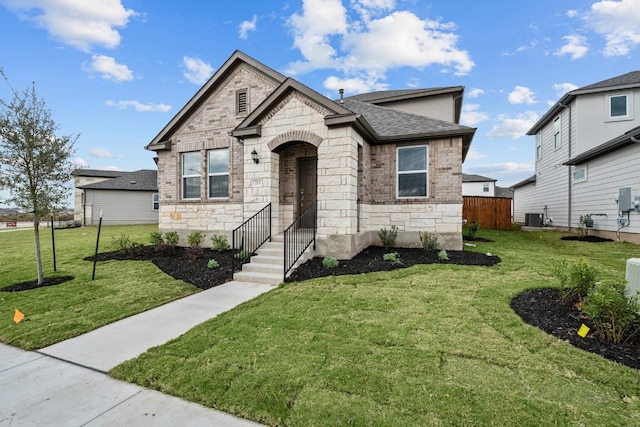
<point x="583" y="331"/>
<point x="18" y="316"/>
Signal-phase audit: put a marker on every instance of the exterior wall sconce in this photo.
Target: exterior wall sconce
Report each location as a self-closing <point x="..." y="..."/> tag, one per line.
<point x="254" y="156"/>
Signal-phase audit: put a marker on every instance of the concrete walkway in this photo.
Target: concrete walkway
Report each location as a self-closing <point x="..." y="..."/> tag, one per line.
<point x="53" y="387"/>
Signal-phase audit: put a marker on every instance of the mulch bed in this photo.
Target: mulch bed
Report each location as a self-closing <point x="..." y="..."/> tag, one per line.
<point x="544" y="309"/>
<point x="33" y="284"/>
<point x="590" y="239"/>
<point x="370" y="260"/>
<point x="178" y="264"/>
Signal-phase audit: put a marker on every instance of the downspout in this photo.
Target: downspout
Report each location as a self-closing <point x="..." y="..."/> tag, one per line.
<point x="568" y="172"/>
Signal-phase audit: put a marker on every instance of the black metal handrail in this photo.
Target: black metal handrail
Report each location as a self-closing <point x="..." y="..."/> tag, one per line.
<point x="298" y="236"/>
<point x="247" y="238"/>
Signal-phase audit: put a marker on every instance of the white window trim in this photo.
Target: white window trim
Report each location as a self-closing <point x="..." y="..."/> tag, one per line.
<point x="155" y="199"/>
<point x="579" y="180"/>
<point x="538" y="146"/>
<point x="628" y="116"/>
<point x="485" y="187"/>
<point x="398" y="172"/>
<point x="557" y="144"/>
<point x="182" y="187"/>
<point x="227" y="174"/>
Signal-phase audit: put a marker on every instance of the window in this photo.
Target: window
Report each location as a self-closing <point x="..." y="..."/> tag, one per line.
<point x="218" y="168"/>
<point x="155" y="202"/>
<point x="191" y="175"/>
<point x="557" y="140"/>
<point x="242" y="101"/>
<point x="485" y="187"/>
<point x="412" y="172"/>
<point x="580" y="175"/>
<point x="538" y="146"/>
<point x="619" y="107"/>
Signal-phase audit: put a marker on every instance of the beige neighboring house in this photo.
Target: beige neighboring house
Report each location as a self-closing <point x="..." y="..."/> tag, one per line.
<point x="121" y="197"/>
<point x="251" y="137"/>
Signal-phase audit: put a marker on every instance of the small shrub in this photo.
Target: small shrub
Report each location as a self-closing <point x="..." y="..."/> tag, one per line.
<point x="213" y="264"/>
<point x="614" y="314"/>
<point x="443" y="255"/>
<point x="388" y="237"/>
<point x="172" y="238"/>
<point x="392" y="257"/>
<point x="195" y="239"/>
<point x="473" y="229"/>
<point x="429" y="241"/>
<point x="576" y="278"/>
<point x="243" y="254"/>
<point x="121" y="244"/>
<point x="220" y="243"/>
<point x="329" y="262"/>
<point x="155" y="238"/>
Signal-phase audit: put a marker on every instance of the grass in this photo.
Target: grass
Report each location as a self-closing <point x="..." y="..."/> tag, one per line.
<point x="427" y="345"/>
<point x="55" y="313"/>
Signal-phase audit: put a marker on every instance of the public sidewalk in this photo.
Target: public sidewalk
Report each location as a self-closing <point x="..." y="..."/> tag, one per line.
<point x="53" y="386"/>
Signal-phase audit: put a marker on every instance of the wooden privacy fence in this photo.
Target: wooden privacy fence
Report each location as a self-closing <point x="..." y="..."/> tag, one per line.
<point x="488" y="212"/>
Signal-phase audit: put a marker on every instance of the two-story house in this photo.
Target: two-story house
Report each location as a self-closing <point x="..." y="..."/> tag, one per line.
<point x="587" y="156"/>
<point x="252" y="138"/>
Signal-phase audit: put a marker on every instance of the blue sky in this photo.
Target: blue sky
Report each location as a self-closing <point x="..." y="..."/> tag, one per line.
<point x="115" y="72"/>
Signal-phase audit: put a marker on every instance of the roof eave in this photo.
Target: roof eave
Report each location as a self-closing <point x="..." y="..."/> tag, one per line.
<point x="553" y="112"/>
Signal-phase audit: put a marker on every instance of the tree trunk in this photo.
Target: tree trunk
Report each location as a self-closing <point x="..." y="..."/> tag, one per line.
<point x="36" y="232"/>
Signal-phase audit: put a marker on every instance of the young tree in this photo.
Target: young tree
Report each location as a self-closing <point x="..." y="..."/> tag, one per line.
<point x="34" y="163"/>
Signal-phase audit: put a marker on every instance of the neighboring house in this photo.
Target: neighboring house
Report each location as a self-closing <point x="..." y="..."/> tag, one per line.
<point x="121" y="197"/>
<point x="586" y="149"/>
<point x="252" y="137"/>
<point x="478" y="185"/>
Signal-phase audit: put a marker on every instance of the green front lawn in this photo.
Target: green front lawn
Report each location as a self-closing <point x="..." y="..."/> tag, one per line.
<point x="427" y="345"/>
<point x="55" y="313"/>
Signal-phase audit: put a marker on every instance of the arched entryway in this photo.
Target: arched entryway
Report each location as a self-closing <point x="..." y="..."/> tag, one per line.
<point x="298" y="177"/>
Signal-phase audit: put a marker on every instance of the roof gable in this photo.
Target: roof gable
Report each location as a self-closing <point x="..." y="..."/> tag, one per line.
<point x="160" y="142"/>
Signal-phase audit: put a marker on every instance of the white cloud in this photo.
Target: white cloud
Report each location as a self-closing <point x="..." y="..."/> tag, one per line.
<point x="80" y="162"/>
<point x="80" y="23"/>
<point x="575" y="46"/>
<point x="522" y="95"/>
<point x="562" y="88"/>
<point x="196" y="70"/>
<point x="353" y="85"/>
<point x="380" y="40"/>
<point x="109" y="69"/>
<point x="474" y="154"/>
<point x="138" y="106"/>
<point x="475" y="92"/>
<point x="513" y="127"/>
<point x="101" y="153"/>
<point x="618" y="22"/>
<point x="572" y="13"/>
<point x="471" y="115"/>
<point x="504" y="169"/>
<point x="247" y="26"/>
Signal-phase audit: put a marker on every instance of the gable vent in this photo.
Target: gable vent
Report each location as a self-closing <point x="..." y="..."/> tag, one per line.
<point x="242" y="104"/>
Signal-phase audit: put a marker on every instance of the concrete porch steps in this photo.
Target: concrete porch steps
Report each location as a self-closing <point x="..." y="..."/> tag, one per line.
<point x="268" y="265"/>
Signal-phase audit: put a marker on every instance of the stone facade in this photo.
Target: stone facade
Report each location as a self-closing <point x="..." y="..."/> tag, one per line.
<point x="356" y="178"/>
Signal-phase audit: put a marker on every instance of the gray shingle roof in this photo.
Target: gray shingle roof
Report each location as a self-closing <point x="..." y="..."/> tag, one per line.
<point x="504" y="192"/>
<point x="97" y="173"/>
<point x="393" y="123"/>
<point x="630" y="137"/>
<point x="631" y="78"/>
<point x="387" y="95"/>
<point x="141" y="180"/>
<point x="476" y="178"/>
<point x="530" y="180"/>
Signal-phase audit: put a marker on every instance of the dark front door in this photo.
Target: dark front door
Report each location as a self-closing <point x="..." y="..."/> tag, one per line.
<point x="307" y="183"/>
